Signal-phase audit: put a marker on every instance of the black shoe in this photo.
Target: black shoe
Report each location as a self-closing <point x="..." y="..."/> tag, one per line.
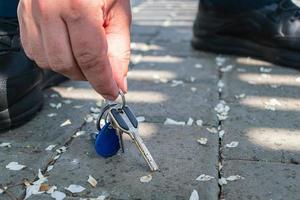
<point x="21" y="82"/>
<point x="271" y="33"/>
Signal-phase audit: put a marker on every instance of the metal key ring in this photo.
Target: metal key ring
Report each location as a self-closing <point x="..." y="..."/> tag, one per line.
<point x="106" y="108"/>
<point x="123" y="98"/>
<point x="103" y="111"/>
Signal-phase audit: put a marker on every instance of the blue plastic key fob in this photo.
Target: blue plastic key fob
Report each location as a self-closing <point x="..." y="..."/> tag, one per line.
<point x="107" y="142"/>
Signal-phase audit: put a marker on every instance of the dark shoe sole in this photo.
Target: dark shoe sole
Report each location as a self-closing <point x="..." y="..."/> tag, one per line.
<point x="34" y="101"/>
<point x="241" y="47"/>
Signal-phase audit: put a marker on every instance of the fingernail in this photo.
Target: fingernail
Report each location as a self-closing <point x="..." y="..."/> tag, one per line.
<point x="125" y="84"/>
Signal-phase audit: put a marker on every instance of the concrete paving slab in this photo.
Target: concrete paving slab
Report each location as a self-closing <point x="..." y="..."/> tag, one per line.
<point x="263" y="180"/>
<point x="119" y="176"/>
<point x="265" y="121"/>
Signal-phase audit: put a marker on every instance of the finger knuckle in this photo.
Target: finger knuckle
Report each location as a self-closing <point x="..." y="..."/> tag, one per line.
<point x="89" y="60"/>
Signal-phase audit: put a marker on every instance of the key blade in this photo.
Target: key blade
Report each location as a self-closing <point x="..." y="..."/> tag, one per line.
<point x="144" y="150"/>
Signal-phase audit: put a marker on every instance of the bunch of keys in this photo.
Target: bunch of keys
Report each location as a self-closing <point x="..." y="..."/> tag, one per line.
<point x="119" y="119"/>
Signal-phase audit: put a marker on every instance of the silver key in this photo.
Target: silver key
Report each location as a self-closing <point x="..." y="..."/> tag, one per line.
<point x="124" y="121"/>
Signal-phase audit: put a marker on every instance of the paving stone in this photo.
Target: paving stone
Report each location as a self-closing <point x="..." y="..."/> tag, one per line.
<point x="263" y="134"/>
<point x="263" y="180"/>
<point x="119" y="176"/>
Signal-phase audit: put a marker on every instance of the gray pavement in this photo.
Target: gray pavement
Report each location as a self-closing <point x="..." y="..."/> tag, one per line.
<point x="255" y="155"/>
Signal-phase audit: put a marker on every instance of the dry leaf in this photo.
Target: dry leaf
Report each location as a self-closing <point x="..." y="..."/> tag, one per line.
<point x="194" y="195"/>
<point x="51" y="189"/>
<point x="176" y="83"/>
<point x="146" y="179"/>
<point x="79" y="133"/>
<point x="75" y="188"/>
<point x="221" y="133"/>
<point x="193" y="89"/>
<point x="44" y="187"/>
<point x="228" y="68"/>
<point x="61" y="149"/>
<point x="91" y="180"/>
<point x="15" y="166"/>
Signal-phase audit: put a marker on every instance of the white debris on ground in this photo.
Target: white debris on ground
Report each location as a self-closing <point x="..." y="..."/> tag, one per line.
<point x="146" y="179"/>
<point x="2" y="190"/>
<point x="54" y="96"/>
<point x="170" y="121"/>
<point x="220" y="60"/>
<point x="75" y="188"/>
<point x="234" y="178"/>
<point x="272" y="104"/>
<point x="176" y="83"/>
<point x="194" y="195"/>
<point x="220" y="85"/>
<point x="221" y="134"/>
<point x="193" y="89"/>
<point x="222" y="181"/>
<point x="92" y="181"/>
<point x="57" y="195"/>
<point x="212" y="130"/>
<point x="222" y="110"/>
<point x="66" y="123"/>
<point x="52" y="115"/>
<point x="232" y="144"/>
<point x="15" y="166"/>
<point x="199" y="122"/>
<point x="192" y="79"/>
<point x="79" y="133"/>
<point x="202" y="141"/>
<point x="198" y="66"/>
<point x="99" y="104"/>
<point x="227" y="68"/>
<point x="49" y="168"/>
<point x="5" y="144"/>
<point x="140" y="118"/>
<point x="89" y="118"/>
<point x="61" y="149"/>
<point x="190" y="122"/>
<point x="95" y="109"/>
<point x="50" y="147"/>
<point x="57" y="106"/>
<point x="204" y="177"/>
<point x="265" y="70"/>
<point x="240" y="96"/>
<point x="35" y="187"/>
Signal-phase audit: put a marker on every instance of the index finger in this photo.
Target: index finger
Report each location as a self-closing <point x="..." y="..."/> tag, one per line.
<point x="89" y="46"/>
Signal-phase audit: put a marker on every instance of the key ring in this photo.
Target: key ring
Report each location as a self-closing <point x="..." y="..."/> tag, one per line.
<point x="107" y="107"/>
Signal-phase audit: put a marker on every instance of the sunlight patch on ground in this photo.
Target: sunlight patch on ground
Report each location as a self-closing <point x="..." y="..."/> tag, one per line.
<point x="150" y="75"/>
<point x="276" y="139"/>
<point x="279" y="103"/>
<point x="251" y="61"/>
<point x="272" y="79"/>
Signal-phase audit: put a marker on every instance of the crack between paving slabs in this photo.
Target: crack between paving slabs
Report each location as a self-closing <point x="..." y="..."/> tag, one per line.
<point x="220" y="124"/>
<point x="52" y="160"/>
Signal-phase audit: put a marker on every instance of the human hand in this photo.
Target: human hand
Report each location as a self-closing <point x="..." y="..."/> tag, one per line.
<point x="81" y="39"/>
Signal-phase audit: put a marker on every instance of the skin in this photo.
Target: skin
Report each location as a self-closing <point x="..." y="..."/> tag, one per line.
<point x="81" y="39"/>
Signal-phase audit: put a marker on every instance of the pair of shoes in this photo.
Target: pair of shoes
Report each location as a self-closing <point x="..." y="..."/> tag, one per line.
<point x="21" y="81"/>
<point x="271" y="33"/>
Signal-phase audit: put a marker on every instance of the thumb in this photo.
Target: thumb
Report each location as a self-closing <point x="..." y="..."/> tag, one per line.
<point x="117" y="29"/>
